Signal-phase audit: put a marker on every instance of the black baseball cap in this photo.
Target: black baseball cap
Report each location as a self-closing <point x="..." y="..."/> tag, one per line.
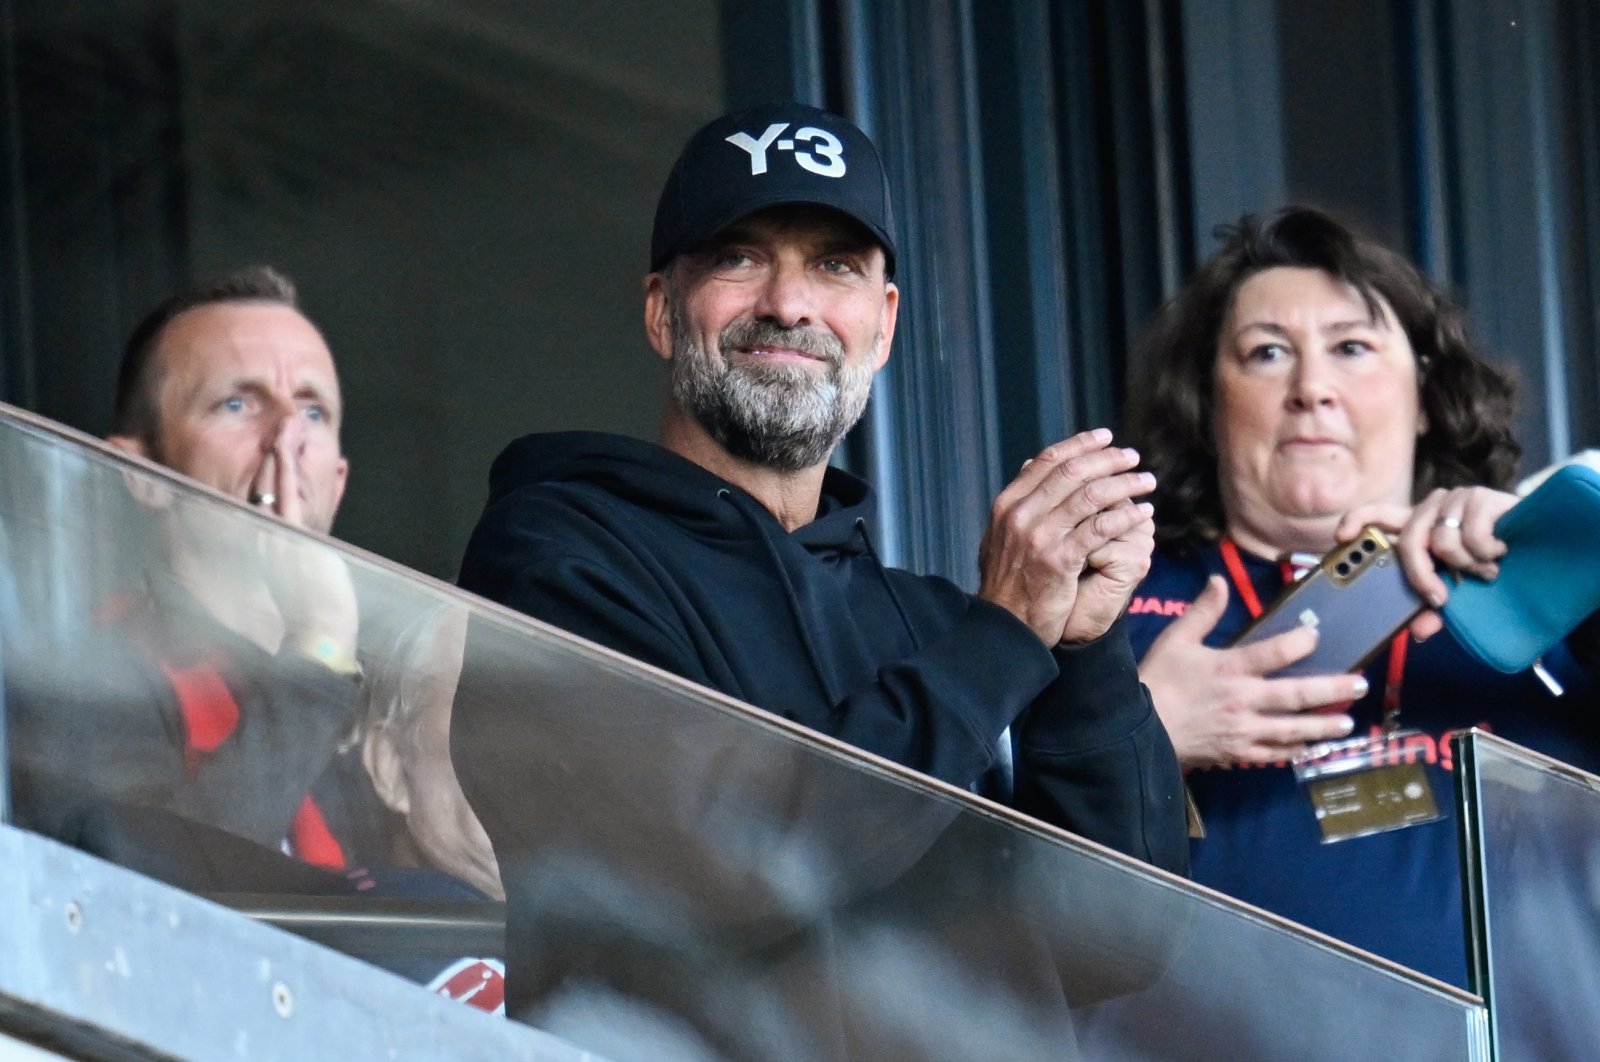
<point x="767" y="156"/>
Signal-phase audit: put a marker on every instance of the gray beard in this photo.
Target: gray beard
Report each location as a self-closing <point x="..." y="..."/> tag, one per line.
<point x="780" y="416"/>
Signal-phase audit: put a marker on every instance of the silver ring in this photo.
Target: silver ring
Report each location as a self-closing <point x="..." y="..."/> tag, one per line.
<point x="263" y="499"/>
<point x="1453" y="522"/>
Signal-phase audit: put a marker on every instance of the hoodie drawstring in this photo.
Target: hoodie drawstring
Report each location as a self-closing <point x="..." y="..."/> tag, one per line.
<point x="998" y="780"/>
<point x="888" y="585"/>
<point x="790" y="595"/>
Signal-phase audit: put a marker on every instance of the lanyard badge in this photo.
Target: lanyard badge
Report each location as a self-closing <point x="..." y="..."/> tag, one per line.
<point x="1367" y="785"/>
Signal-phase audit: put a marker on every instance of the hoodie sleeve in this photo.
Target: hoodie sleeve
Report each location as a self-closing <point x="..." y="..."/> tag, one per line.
<point x="1093" y="757"/>
<point x="943" y="709"/>
<point x="939" y="711"/>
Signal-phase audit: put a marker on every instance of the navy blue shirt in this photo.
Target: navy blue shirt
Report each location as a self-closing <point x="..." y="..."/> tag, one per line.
<point x="1397" y="894"/>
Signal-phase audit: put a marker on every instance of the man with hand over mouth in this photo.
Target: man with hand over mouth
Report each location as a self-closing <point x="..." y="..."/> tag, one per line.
<point x="226" y="678"/>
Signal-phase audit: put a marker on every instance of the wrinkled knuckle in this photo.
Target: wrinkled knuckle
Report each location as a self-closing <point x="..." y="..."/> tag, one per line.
<point x="1099" y="493"/>
<point x="1014" y="522"/>
<point x="1071" y="469"/>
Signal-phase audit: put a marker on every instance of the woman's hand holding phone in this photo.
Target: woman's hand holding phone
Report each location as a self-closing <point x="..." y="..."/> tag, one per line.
<point x="1357" y="598"/>
<point x="1453" y="527"/>
<point x="1221" y="706"/>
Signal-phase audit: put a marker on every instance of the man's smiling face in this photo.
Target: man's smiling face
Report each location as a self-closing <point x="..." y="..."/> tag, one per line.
<point x="774" y="332"/>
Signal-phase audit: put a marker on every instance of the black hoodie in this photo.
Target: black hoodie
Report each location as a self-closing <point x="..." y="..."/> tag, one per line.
<point x="631" y="546"/>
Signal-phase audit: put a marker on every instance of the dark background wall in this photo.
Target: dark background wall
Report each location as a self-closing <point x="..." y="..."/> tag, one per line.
<point x="463" y="191"/>
<point x="1344" y="111"/>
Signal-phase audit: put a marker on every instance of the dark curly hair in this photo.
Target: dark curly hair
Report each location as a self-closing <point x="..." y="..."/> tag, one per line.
<point x="1467" y="401"/>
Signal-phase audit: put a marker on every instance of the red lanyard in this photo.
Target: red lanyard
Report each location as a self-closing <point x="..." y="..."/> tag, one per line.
<point x="1246" y="590"/>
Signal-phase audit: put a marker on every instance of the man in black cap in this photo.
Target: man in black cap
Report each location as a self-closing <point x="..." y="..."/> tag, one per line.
<point x="733" y="555"/>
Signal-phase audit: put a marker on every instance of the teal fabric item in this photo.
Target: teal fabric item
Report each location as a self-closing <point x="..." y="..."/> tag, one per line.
<point x="1549" y="579"/>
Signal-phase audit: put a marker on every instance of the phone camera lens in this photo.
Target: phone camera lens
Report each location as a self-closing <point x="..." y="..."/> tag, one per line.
<point x="1367" y="545"/>
<point x="1355" y="558"/>
<point x="1342" y="568"/>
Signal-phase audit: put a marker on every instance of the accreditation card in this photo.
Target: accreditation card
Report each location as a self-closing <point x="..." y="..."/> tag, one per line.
<point x="1366" y="785"/>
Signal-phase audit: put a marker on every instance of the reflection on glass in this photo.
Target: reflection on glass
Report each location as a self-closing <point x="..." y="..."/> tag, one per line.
<point x="1534" y="877"/>
<point x="209" y="682"/>
<point x="685" y="877"/>
<point x="406" y="748"/>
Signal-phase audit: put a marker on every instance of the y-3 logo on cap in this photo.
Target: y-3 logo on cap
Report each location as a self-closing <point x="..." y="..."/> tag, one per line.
<point x="826" y="157"/>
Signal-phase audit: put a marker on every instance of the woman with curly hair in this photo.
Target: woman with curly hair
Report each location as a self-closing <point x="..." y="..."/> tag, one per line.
<point x="1307" y="382"/>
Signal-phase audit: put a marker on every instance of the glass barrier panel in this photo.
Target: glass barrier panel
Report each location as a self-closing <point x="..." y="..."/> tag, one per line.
<point x="683" y="875"/>
<point x="1531" y="828"/>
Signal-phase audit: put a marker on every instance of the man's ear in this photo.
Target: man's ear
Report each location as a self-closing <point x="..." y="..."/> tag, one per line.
<point x="891" y="313"/>
<point x="128" y="443"/>
<point x="380" y="754"/>
<point x="341" y="478"/>
<point x="151" y="493"/>
<point x="658" y="315"/>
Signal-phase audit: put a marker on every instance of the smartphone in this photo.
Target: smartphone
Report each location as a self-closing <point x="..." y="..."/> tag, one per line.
<point x="1357" y="597"/>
